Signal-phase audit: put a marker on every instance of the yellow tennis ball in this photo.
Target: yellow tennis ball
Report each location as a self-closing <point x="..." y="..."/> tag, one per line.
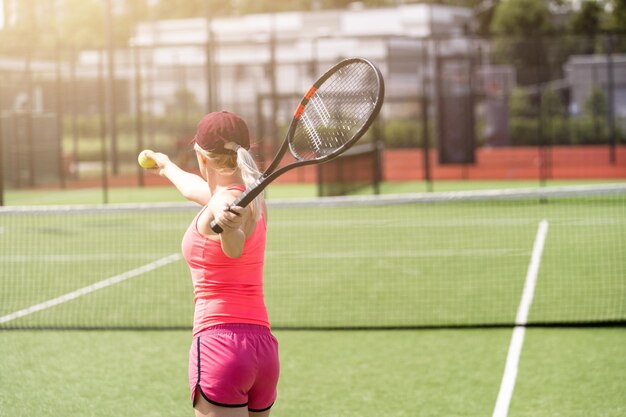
<point x="144" y="161"/>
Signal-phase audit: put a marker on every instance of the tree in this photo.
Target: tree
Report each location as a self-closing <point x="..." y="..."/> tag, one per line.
<point x="551" y="104"/>
<point x="595" y="105"/>
<point x="41" y="25"/>
<point x="522" y="121"/>
<point x="617" y="17"/>
<point x="519" y="26"/>
<point x="519" y="104"/>
<point x="483" y="16"/>
<point x="553" y="121"/>
<point x="587" y="20"/>
<point x="522" y="18"/>
<point x="585" y="25"/>
<point x="591" y="127"/>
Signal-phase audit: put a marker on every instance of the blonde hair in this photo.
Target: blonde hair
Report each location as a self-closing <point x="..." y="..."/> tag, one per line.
<point x="228" y="163"/>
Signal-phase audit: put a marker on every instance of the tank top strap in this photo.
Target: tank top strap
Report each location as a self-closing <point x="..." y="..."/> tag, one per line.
<point x="236" y="187"/>
<point x="195" y="221"/>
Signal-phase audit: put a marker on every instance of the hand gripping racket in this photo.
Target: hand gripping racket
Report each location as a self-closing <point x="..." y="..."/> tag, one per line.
<point x="335" y="112"/>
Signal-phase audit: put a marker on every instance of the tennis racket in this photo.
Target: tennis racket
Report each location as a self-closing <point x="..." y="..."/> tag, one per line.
<point x="334" y="113"/>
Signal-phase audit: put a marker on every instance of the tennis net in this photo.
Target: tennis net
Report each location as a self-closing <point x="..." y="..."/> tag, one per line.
<point x="403" y="261"/>
<point x="357" y="169"/>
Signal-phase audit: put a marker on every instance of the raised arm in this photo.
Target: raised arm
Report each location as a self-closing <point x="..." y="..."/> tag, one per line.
<point x="193" y="187"/>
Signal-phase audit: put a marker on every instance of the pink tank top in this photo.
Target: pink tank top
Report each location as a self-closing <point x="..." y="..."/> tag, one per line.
<point x="227" y="290"/>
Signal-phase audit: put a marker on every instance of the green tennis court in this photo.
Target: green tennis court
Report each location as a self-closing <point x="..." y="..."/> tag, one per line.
<point x="382" y="306"/>
<point x="563" y="372"/>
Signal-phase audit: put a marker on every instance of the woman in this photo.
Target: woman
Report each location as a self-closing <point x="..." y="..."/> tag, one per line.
<point x="233" y="360"/>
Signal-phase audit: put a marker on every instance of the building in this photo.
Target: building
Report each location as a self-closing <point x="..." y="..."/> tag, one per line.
<point x="586" y="72"/>
<point x="295" y="47"/>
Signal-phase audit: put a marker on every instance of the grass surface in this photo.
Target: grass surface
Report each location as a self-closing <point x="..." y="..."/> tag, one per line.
<point x="571" y="373"/>
<point x="438" y="373"/>
<point x="434" y="264"/>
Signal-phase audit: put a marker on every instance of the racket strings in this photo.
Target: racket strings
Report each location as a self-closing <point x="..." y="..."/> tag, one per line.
<point x="337" y="111"/>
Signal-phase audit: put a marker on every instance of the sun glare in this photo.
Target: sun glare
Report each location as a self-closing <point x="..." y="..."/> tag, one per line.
<point x="1" y="14"/>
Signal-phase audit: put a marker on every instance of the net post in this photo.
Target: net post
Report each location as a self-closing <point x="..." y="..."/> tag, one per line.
<point x="320" y="182"/>
<point x="379" y="144"/>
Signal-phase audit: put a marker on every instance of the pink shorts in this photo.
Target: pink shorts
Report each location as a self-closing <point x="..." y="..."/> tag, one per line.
<point x="238" y="366"/>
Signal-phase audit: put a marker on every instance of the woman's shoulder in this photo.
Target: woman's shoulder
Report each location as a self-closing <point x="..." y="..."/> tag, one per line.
<point x="226" y="195"/>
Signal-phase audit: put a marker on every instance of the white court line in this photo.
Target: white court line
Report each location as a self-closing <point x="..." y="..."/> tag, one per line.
<point x="78" y="258"/>
<point x="517" y="340"/>
<point x="91" y="288"/>
<point x="412" y="253"/>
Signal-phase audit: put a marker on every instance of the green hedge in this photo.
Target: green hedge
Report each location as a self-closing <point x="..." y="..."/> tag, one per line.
<point x="524" y="131"/>
<point x="558" y="130"/>
<point x="397" y="134"/>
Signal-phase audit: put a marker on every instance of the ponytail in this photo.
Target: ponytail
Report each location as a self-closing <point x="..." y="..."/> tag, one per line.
<point x="250" y="174"/>
<point x="242" y="159"/>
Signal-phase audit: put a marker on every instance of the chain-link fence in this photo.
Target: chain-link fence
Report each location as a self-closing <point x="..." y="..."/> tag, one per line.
<point x="74" y="115"/>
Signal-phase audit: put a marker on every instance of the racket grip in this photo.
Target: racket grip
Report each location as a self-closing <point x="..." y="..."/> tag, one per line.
<point x="242" y="201"/>
<point x="216" y="227"/>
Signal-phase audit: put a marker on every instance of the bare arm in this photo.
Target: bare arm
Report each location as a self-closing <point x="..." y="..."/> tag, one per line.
<point x="191" y="186"/>
<point x="234" y="222"/>
<point x="233" y="236"/>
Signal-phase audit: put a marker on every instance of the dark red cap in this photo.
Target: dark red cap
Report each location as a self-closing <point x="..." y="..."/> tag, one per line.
<point x="216" y="129"/>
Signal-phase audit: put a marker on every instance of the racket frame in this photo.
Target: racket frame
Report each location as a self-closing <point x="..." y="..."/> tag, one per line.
<point x="272" y="172"/>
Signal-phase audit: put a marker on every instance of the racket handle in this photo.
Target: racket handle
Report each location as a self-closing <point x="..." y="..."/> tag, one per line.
<point x="245" y="199"/>
<point x="216" y="227"/>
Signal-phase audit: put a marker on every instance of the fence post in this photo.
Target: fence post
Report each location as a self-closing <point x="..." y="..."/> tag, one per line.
<point x="59" y="111"/>
<point x="610" y="110"/>
<point x="543" y="146"/>
<point x="260" y="130"/>
<point x="425" y="133"/>
<point x="111" y="76"/>
<point x="28" y="120"/>
<point x="73" y="98"/>
<point x="209" y="64"/>
<point x="138" y="110"/>
<point x="103" y="136"/>
<point x="273" y="87"/>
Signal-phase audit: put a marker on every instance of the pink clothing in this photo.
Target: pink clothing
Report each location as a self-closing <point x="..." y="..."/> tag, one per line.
<point x="235" y="365"/>
<point x="227" y="290"/>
